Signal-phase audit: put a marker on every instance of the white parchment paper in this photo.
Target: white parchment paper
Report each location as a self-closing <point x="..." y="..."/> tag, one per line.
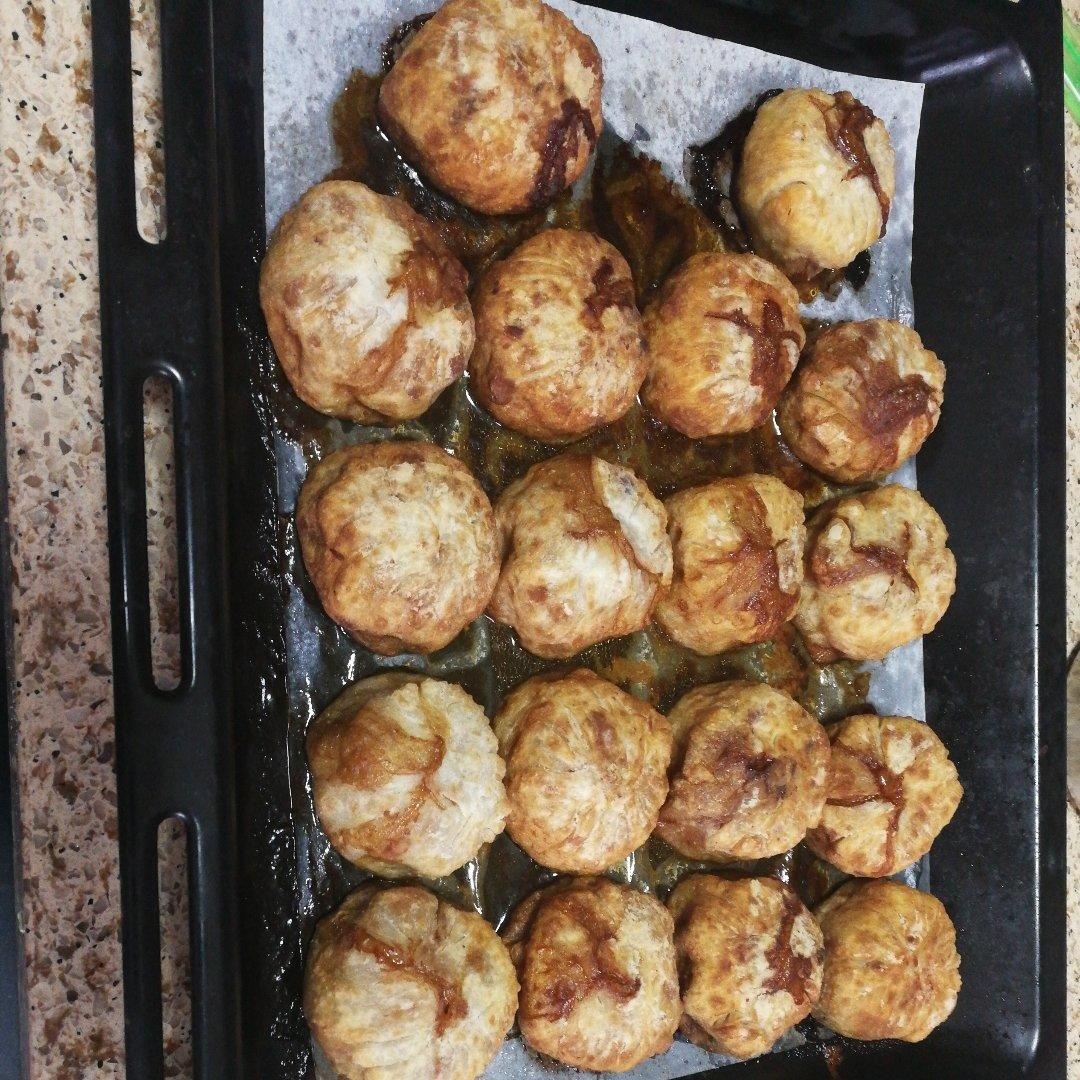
<point x="664" y="89"/>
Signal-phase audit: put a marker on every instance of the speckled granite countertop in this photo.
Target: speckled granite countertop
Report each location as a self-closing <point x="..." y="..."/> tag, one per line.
<point x="62" y="665"/>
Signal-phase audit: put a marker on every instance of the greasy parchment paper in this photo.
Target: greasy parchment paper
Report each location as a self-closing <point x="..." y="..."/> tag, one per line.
<point x="665" y="89"/>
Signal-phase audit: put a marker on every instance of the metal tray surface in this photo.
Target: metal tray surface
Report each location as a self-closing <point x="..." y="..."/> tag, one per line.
<point x="988" y="276"/>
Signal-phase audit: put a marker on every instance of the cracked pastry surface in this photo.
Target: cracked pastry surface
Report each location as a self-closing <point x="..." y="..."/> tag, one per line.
<point x="497" y="102"/>
<point x="400" y="543"/>
<point x="864" y="399"/>
<point x="892" y="789"/>
<point x="586" y="554"/>
<point x="723" y="337"/>
<point x="891" y="966"/>
<point x="367" y="309"/>
<point x="596" y="960"/>
<point x="406" y="775"/>
<point x="815" y="181"/>
<point x="749" y="773"/>
<point x="750" y="961"/>
<point x="738" y="565"/>
<point x="877" y="574"/>
<point x="559" y="348"/>
<point x="401" y="985"/>
<point x="586" y="770"/>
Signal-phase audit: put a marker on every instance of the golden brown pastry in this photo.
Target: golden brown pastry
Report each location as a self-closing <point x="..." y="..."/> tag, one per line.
<point x="892" y="789"/>
<point x="559" y="348"/>
<point x="749" y="773"/>
<point x="497" y="102"/>
<point x="877" y="574"/>
<point x="723" y="337"/>
<point x="406" y="775"/>
<point x="596" y="962"/>
<point x="738" y="546"/>
<point x="586" y="554"/>
<point x="863" y="400"/>
<point x="815" y="180"/>
<point x="749" y="958"/>
<point x="367" y="309"/>
<point x="401" y="985"/>
<point x="891" y="967"/>
<point x="586" y="770"/>
<point x="400" y="543"/>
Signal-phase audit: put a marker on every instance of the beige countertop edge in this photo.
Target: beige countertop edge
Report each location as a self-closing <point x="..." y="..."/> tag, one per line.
<point x="62" y="662"/>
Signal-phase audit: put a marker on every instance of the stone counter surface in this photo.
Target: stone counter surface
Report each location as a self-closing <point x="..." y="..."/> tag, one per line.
<point x="62" y="693"/>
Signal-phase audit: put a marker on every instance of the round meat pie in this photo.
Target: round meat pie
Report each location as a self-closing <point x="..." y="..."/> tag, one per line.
<point x="892" y="789"/>
<point x="367" y="309"/>
<point x="400" y="543"/>
<point x="406" y="775"/>
<point x="401" y="985"/>
<point x="723" y="338"/>
<point x="877" y="574"/>
<point x="864" y="399"/>
<point x="738" y="546"/>
<point x="497" y="102"/>
<point x="586" y="554"/>
<point x="815" y="180"/>
<point x="749" y="773"/>
<point x="891" y="967"/>
<point x="559" y="349"/>
<point x="596" y="960"/>
<point x="749" y="958"/>
<point x="586" y="770"/>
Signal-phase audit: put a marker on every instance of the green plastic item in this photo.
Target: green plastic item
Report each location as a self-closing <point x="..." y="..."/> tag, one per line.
<point x="1071" y="38"/>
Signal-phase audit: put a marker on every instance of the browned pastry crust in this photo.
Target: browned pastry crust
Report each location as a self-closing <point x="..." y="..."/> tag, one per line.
<point x="400" y="543"/>
<point x="559" y="347"/>
<point x="892" y="789"/>
<point x="367" y="309"/>
<point x="723" y="337"/>
<point x="406" y="775"/>
<point x="864" y="399"/>
<point x="737" y="546"/>
<point x="497" y="102"/>
<point x="750" y="959"/>
<point x="891" y="967"/>
<point x="877" y="574"/>
<point x="815" y="180"/>
<point x="596" y="960"/>
<point x="749" y="773"/>
<point x="402" y="984"/>
<point x="586" y="769"/>
<point x="586" y="554"/>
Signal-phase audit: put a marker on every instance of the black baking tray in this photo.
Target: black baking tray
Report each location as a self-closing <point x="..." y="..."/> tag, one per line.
<point x="988" y="275"/>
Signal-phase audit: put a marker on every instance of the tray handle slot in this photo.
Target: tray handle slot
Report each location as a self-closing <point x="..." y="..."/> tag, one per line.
<point x="160" y="313"/>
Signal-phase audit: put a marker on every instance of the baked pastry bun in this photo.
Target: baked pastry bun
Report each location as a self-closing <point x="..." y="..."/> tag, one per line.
<point x="749" y="773"/>
<point x="586" y="770"/>
<point x="406" y="775"/>
<point x="586" y="554"/>
<point x="496" y="101"/>
<point x="737" y="545"/>
<point x="723" y="337"/>
<point x="877" y="574"/>
<point x="596" y="962"/>
<point x="891" y="967"/>
<point x="892" y="789"/>
<point x="749" y="957"/>
<point x="401" y="985"/>
<point x="864" y="399"/>
<point x="400" y="543"/>
<point x="367" y="309"/>
<point x="815" y="180"/>
<point x="559" y="349"/>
